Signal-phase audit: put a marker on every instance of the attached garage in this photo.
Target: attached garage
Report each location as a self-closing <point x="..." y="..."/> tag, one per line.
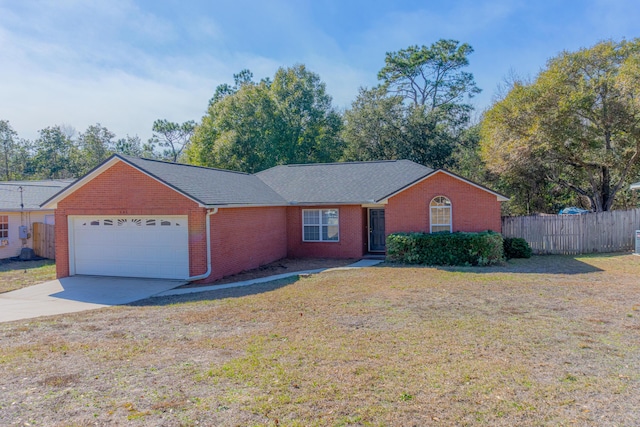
<point x="129" y="246"/>
<point x="133" y="217"/>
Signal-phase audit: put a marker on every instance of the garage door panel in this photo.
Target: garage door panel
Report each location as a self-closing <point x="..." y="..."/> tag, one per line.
<point x="131" y="246"/>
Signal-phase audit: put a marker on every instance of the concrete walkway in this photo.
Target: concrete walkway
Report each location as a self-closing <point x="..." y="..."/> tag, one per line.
<point x="81" y="293"/>
<point x="360" y="264"/>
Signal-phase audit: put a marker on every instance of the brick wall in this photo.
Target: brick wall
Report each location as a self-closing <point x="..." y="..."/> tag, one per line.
<point x="123" y="190"/>
<point x="472" y="209"/>
<point x="351" y="244"/>
<point x="246" y="238"/>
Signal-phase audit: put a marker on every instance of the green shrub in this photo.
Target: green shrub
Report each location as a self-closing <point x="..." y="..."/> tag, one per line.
<point x="516" y="247"/>
<point x="484" y="248"/>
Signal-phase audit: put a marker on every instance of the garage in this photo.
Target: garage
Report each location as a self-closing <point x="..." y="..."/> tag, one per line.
<point x="129" y="246"/>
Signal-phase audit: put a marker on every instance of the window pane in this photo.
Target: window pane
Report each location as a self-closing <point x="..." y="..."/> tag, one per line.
<point x="440" y="201"/>
<point x="311" y="232"/>
<point x="330" y="217"/>
<point x="437" y="228"/>
<point x="435" y="216"/>
<point x="330" y="232"/>
<point x="311" y="217"/>
<point x="440" y="215"/>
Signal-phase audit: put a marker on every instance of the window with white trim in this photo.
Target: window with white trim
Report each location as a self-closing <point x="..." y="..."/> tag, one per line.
<point x="440" y="214"/>
<point x="4" y="226"/>
<point x="320" y="225"/>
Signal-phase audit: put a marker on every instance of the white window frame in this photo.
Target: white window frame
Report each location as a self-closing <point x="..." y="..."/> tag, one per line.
<point x="320" y="225"/>
<point x="431" y="215"/>
<point x="4" y="232"/>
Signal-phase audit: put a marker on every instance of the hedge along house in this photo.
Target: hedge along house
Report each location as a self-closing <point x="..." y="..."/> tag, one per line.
<point x="146" y="218"/>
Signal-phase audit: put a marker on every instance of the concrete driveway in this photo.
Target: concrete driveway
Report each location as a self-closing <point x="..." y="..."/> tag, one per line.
<point x="78" y="293"/>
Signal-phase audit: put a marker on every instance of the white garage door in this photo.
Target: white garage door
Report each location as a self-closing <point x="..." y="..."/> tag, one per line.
<point x="130" y="246"/>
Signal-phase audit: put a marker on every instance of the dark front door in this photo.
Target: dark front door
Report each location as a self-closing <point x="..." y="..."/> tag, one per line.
<point x="376" y="230"/>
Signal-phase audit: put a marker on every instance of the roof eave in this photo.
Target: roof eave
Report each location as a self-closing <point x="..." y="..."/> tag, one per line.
<point x="244" y="205"/>
<point x="52" y="202"/>
<point x="18" y="210"/>
<point x="500" y="197"/>
<point x="291" y="204"/>
<point x="342" y="203"/>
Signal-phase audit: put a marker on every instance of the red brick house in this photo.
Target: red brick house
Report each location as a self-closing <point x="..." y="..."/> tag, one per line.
<point x="146" y="218"/>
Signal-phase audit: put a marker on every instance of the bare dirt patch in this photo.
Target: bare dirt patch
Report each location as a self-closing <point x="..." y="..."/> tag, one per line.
<point x="20" y="274"/>
<point x="548" y="341"/>
<point x="285" y="265"/>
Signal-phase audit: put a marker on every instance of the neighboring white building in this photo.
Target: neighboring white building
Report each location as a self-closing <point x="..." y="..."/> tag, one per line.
<point x="635" y="186"/>
<point x="20" y="207"/>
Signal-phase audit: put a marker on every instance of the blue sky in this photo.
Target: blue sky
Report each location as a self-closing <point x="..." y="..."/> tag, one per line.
<point x="125" y="63"/>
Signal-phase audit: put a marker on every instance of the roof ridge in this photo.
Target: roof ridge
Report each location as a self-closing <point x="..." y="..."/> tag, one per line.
<point x="340" y="163"/>
<point x="125" y="157"/>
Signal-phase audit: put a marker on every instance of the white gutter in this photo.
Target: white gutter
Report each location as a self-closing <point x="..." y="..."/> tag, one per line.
<point x="208" y="228"/>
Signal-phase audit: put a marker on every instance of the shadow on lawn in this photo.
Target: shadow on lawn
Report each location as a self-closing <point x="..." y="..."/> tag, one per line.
<point x="537" y="264"/>
<point x="9" y="264"/>
<point x="258" y="288"/>
<point x="540" y="264"/>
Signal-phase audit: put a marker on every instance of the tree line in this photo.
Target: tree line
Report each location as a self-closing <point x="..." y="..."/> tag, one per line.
<point x="60" y="152"/>
<point x="568" y="137"/>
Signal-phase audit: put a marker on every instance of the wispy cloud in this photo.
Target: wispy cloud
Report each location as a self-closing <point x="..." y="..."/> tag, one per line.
<point x="125" y="63"/>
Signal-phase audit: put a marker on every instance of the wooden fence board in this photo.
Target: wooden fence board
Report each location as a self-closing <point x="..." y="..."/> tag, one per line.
<point x="612" y="231"/>
<point x="44" y="241"/>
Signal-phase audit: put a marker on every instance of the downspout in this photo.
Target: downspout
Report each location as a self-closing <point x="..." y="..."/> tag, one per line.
<point x="208" y="228"/>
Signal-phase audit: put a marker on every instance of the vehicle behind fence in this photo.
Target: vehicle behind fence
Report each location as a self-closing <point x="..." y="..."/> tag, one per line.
<point x="612" y="231"/>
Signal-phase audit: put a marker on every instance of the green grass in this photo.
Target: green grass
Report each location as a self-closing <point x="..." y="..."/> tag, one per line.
<point x="19" y="274"/>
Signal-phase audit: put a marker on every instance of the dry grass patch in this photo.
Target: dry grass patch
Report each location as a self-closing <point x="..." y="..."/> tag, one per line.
<point x="546" y="341"/>
<point x="20" y="274"/>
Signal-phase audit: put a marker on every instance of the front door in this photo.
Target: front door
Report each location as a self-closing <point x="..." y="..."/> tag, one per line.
<point x="376" y="231"/>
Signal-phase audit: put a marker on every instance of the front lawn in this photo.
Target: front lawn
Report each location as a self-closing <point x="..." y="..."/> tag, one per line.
<point x="19" y="274"/>
<point x="547" y="341"/>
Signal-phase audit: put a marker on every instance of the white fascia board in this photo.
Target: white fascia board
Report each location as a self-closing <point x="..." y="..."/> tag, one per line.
<point x="357" y="203"/>
<point x="500" y="197"/>
<point x="292" y="204"/>
<point x="26" y="210"/>
<point x="246" y="205"/>
<point x="53" y="203"/>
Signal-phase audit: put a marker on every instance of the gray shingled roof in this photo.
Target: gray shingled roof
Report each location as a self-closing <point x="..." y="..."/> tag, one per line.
<point x="357" y="182"/>
<point x="320" y="183"/>
<point x="33" y="193"/>
<point x="209" y="186"/>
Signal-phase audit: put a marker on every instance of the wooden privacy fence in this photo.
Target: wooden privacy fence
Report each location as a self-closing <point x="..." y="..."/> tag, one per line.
<point x="612" y="231"/>
<point x="44" y="240"/>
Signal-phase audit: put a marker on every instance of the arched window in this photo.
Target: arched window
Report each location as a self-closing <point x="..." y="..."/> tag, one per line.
<point x="440" y="214"/>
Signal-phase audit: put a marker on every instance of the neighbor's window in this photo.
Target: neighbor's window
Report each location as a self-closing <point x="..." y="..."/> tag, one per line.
<point x="440" y="214"/>
<point x="320" y="225"/>
<point x="4" y="226"/>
